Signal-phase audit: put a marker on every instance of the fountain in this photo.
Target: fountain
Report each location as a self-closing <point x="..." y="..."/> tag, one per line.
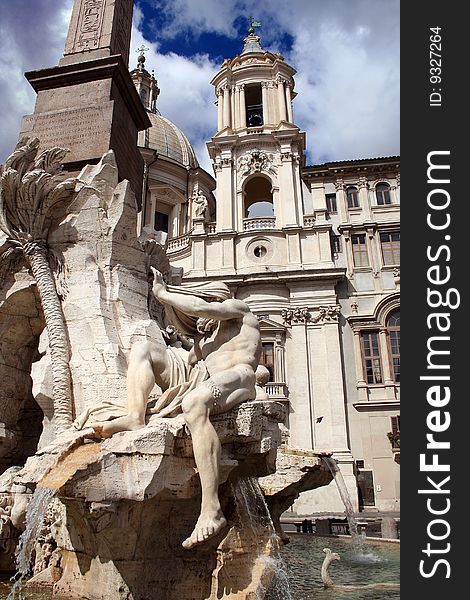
<point x="329" y="583"/>
<point x="252" y="509"/>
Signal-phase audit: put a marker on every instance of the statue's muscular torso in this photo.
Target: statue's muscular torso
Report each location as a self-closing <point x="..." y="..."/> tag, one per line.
<point x="233" y="342"/>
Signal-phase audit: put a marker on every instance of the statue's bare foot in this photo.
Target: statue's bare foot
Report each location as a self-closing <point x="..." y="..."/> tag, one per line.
<point x="206" y="527"/>
<point x="109" y="428"/>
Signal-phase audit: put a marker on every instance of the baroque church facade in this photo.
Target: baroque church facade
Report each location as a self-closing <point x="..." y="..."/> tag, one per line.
<point x="313" y="250"/>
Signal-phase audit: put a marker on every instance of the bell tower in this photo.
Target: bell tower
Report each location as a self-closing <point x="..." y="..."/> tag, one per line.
<point x="257" y="151"/>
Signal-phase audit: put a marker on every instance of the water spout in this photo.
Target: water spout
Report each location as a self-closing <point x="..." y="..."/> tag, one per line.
<point x="35" y="515"/>
<point x="253" y="512"/>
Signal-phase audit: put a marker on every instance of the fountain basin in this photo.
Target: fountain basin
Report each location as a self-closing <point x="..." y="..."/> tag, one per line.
<point x="126" y="504"/>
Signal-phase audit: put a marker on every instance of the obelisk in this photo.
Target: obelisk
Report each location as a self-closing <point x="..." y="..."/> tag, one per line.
<point x="88" y="102"/>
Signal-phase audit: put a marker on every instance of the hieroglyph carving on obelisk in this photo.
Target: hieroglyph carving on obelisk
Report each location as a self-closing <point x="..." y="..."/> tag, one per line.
<point x="99" y="28"/>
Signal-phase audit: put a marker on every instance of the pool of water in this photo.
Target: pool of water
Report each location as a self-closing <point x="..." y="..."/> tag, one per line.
<point x="5" y="588"/>
<point x="376" y="562"/>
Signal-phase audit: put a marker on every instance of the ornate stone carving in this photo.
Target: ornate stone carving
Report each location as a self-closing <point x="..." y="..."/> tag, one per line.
<point x="324" y="314"/>
<point x="31" y="191"/>
<point x="256" y="161"/>
<point x="339" y="185"/>
<point x="363" y="183"/>
<point x="295" y="315"/>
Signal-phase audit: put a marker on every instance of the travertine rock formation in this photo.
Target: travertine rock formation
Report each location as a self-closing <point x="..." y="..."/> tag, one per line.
<point x="297" y="471"/>
<point x="128" y="502"/>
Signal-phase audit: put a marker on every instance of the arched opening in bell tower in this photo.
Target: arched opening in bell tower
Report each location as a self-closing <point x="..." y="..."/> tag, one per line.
<point x="254" y="105"/>
<point x="258" y="198"/>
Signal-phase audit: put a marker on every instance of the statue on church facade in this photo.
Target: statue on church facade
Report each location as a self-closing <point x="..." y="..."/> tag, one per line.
<point x="218" y="374"/>
<point x="200" y="205"/>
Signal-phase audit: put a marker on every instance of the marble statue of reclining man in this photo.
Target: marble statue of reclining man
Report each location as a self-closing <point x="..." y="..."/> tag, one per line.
<point x="219" y="374"/>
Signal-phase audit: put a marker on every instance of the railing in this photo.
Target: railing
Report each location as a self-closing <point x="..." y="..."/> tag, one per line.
<point x="259" y="223"/>
<point x="210" y="227"/>
<point x="309" y="220"/>
<point x="276" y="390"/>
<point x="177" y="244"/>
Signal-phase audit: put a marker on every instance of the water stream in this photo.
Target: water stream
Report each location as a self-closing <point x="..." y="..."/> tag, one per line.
<point x="357" y="541"/>
<point x="253" y="512"/>
<point x="35" y="515"/>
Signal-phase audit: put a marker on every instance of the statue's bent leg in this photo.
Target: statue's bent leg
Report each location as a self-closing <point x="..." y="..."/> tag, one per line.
<point x="143" y="360"/>
<point x="219" y="393"/>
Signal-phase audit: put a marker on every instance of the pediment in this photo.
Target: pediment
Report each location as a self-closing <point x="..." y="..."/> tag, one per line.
<point x="270" y="325"/>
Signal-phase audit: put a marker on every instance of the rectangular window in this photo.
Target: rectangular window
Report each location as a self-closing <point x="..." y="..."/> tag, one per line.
<point x="371" y="357"/>
<point x="365" y="484"/>
<point x="394" y="341"/>
<point x="359" y="247"/>
<point x="254" y="105"/>
<point x="395" y="424"/>
<point x="267" y="358"/>
<point x="390" y="244"/>
<point x="331" y="203"/>
<point x="161" y="222"/>
<point x="335" y="241"/>
<point x="352" y="197"/>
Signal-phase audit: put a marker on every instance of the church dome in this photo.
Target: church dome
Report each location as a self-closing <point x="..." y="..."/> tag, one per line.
<point x="169" y="141"/>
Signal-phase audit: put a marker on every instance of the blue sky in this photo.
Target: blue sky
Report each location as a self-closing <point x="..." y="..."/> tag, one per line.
<point x="346" y="53"/>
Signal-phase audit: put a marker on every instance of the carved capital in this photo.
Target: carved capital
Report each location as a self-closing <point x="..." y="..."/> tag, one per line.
<point x="295" y="315"/>
<point x="327" y="314"/>
<point x="339" y="185"/>
<point x="363" y="183"/>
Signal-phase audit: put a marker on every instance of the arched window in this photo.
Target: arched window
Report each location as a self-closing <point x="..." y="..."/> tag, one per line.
<point x="382" y="193"/>
<point x="393" y="329"/>
<point x="352" y="197"/>
<point x="258" y="198"/>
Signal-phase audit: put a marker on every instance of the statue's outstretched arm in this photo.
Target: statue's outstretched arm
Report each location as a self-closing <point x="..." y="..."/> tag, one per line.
<point x="196" y="307"/>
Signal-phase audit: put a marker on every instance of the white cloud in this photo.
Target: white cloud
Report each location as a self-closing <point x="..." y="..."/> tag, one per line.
<point x="345" y="52"/>
<point x="347" y="57"/>
<point x="186" y="97"/>
<point x="29" y="39"/>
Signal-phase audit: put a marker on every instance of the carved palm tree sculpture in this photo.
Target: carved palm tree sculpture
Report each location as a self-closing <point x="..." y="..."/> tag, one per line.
<point x="30" y="190"/>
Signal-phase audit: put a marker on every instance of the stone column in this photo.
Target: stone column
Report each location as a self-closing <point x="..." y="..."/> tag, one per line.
<point x="364" y="200"/>
<point x="290" y="116"/>
<point x="226" y="89"/>
<point x="373" y="251"/>
<point x="237" y="117"/>
<point x="386" y="370"/>
<point x="279" y="361"/>
<point x="341" y="201"/>
<point x="361" y="383"/>
<point x="281" y="96"/>
<point x="220" y="110"/>
<point x="242" y="106"/>
<point x="264" y="90"/>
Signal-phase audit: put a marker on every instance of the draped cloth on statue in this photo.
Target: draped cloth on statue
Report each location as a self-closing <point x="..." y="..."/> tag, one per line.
<point x="188" y="324"/>
<point x="183" y="379"/>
